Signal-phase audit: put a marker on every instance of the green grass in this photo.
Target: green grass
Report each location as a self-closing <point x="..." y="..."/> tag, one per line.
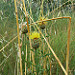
<point x="56" y="34"/>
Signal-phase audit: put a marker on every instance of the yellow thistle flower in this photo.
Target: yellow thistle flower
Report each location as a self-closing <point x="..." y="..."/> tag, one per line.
<point x="43" y="18"/>
<point x="35" y="35"/>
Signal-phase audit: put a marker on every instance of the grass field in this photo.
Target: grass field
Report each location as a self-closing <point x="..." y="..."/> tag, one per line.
<point x="39" y="61"/>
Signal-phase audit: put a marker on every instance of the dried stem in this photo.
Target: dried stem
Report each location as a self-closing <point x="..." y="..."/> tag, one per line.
<point x="68" y="42"/>
<point x="18" y="36"/>
<point x="49" y="20"/>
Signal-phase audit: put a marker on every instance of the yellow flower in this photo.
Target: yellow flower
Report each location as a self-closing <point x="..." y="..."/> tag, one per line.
<point x="43" y="18"/>
<point x="35" y="35"/>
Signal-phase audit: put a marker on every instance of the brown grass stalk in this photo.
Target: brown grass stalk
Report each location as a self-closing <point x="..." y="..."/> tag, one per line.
<point x="68" y="42"/>
<point x="48" y="20"/>
<point x="18" y="35"/>
<point x="31" y="53"/>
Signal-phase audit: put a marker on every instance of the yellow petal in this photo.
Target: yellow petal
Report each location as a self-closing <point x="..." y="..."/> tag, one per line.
<point x="43" y="18"/>
<point x="34" y="35"/>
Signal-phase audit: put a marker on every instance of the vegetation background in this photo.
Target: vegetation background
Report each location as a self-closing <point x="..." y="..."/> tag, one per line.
<point x="55" y="32"/>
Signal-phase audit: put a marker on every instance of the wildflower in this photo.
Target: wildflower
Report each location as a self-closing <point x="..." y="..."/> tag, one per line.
<point x="35" y="39"/>
<point x="42" y="24"/>
<point x="35" y="35"/>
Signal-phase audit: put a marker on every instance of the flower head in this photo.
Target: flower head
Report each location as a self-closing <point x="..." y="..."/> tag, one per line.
<point x="42" y="18"/>
<point x="35" y="35"/>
